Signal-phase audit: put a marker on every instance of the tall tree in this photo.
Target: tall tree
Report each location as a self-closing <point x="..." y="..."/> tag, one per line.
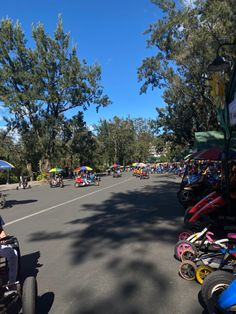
<point x="186" y="40"/>
<point x="38" y="86"/>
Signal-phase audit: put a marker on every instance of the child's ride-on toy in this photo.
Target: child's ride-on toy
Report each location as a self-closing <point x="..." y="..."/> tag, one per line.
<point x="23" y="183"/>
<point x="219" y="292"/>
<point x="13" y="294"/>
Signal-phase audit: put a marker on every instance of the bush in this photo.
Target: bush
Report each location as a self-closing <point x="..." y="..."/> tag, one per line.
<point x="41" y="176"/>
<point x="13" y="179"/>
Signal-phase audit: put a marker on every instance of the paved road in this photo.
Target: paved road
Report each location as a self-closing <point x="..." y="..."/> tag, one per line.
<point x="106" y="249"/>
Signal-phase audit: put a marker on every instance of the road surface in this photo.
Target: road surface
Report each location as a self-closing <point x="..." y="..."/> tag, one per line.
<point x="103" y="250"/>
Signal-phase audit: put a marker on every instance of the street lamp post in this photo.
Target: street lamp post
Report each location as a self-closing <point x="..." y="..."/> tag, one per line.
<point x="221" y="65"/>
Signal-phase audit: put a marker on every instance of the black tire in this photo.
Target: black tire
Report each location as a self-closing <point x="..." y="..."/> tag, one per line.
<point x="193" y="248"/>
<point x="96" y="183"/>
<point x="76" y="185"/>
<point x="2" y="202"/>
<point x="185" y="197"/>
<point x="29" y="296"/>
<point x="214" y="284"/>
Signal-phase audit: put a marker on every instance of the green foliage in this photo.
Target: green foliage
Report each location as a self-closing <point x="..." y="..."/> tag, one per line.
<point x="124" y="141"/>
<point x="38" y="86"/>
<point x="41" y="176"/>
<point x="186" y="41"/>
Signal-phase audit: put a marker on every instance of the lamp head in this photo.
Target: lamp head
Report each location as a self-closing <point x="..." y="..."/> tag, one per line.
<point x="218" y="65"/>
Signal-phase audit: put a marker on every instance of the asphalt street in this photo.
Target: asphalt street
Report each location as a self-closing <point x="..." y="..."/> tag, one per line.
<point x="106" y="249"/>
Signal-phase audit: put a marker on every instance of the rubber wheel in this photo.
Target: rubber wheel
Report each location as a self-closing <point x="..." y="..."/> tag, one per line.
<point x="185" y="234"/>
<point x="2" y="202"/>
<point x="214" y="284"/>
<point x="187" y="270"/>
<point x="29" y="296"/>
<point x="76" y="185"/>
<point x="182" y="246"/>
<point x="188" y="255"/>
<point x="202" y="272"/>
<point x="96" y="183"/>
<point x="186" y="196"/>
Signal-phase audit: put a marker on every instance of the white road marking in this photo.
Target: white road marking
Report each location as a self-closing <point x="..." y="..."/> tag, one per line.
<point x="64" y="203"/>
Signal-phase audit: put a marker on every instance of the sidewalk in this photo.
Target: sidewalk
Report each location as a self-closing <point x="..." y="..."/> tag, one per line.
<point x="13" y="186"/>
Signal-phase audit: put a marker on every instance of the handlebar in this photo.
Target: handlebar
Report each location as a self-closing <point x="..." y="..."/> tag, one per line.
<point x="7" y="240"/>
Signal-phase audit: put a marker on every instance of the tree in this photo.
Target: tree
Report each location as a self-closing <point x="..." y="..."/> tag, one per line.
<point x="38" y="86"/>
<point x="186" y="40"/>
<point x="124" y="141"/>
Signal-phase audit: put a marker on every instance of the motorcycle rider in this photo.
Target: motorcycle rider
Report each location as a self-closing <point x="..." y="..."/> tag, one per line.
<point x="7" y="251"/>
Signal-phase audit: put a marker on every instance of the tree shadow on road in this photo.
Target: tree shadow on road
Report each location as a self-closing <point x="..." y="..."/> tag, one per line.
<point x="126" y="236"/>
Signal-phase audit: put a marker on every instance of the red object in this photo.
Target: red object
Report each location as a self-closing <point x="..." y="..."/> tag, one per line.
<point x="208" y="208"/>
<point x="213" y="153"/>
<point x="210" y="197"/>
<point x="79" y="180"/>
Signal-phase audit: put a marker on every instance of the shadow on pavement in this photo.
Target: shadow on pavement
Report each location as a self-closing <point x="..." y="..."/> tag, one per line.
<point x="10" y="203"/>
<point x="127" y="235"/>
<point x="45" y="302"/>
<point x="29" y="267"/>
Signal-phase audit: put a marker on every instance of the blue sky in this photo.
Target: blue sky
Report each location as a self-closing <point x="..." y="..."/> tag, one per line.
<point x="108" y="32"/>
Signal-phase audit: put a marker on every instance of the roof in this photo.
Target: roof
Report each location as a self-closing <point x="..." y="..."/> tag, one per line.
<point x="206" y="140"/>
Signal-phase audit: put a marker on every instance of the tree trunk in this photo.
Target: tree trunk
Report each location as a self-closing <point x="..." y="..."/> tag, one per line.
<point x="30" y="172"/>
<point x="44" y="164"/>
